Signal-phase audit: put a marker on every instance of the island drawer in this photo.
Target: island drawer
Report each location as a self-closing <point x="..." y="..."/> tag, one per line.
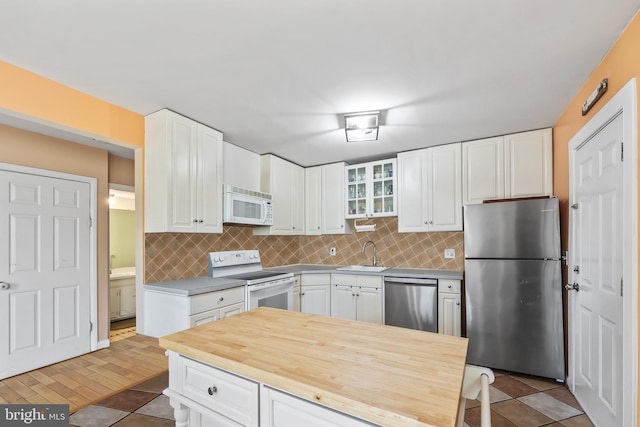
<point x="224" y="393"/>
<point x="217" y="299"/>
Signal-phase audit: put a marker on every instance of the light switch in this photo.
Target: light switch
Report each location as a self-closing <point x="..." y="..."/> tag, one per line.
<point x="450" y="253"/>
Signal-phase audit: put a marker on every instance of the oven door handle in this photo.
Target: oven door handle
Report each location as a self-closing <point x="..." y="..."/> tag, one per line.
<point x="269" y="285"/>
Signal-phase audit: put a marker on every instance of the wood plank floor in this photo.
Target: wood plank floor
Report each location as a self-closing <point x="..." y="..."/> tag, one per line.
<point x="89" y="378"/>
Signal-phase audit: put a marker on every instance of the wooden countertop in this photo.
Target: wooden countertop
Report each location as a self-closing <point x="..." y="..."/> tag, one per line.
<point x="392" y="376"/>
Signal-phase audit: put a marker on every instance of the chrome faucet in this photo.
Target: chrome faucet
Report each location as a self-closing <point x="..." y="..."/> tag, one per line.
<point x="364" y="247"/>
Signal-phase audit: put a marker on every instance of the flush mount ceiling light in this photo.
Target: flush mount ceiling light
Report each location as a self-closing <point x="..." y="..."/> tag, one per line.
<point x="362" y="126"/>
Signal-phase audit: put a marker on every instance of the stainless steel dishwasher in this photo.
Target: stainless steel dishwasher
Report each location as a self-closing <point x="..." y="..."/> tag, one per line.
<point x="411" y="303"/>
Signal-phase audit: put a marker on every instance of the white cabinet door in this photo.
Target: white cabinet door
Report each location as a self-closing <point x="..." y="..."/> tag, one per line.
<point x="444" y="196"/>
<point x="285" y="182"/>
<point x="209" y="174"/>
<point x="449" y="314"/>
<point x="369" y="306"/>
<point x="128" y="300"/>
<point x="482" y="170"/>
<point x="183" y="152"/>
<point x="114" y="303"/>
<point x="430" y="189"/>
<point x="529" y="164"/>
<point x="343" y="302"/>
<point x="316" y="299"/>
<point x="333" y="218"/>
<point x="313" y="200"/>
<point x="413" y="214"/>
<point x="183" y="175"/>
<point x="231" y="310"/>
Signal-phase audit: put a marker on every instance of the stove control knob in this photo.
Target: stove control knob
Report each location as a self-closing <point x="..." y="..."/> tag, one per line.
<point x="221" y="259"/>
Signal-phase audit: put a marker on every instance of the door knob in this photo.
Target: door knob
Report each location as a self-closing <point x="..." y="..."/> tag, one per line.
<point x="572" y="287"/>
<point x="4" y="286"/>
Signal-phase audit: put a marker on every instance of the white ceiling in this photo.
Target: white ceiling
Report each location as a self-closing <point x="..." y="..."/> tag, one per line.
<point x="277" y="76"/>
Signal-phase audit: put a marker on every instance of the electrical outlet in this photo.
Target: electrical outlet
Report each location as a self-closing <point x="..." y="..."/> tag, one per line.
<point x="332" y="251"/>
<point x="450" y="253"/>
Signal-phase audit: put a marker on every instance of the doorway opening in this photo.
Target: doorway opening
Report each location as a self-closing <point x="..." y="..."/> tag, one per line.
<point x="122" y="262"/>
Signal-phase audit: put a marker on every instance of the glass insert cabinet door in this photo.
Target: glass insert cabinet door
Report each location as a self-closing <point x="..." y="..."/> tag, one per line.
<point x="371" y="189"/>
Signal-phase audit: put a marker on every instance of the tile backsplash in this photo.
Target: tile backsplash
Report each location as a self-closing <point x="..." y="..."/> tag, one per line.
<point x="172" y="256"/>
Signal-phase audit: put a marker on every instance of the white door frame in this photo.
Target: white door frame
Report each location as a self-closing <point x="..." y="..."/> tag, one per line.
<point x="93" y="235"/>
<point x="625" y="103"/>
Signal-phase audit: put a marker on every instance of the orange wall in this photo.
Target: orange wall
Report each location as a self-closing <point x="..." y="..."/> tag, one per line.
<point x="621" y="64"/>
<point x="27" y="93"/>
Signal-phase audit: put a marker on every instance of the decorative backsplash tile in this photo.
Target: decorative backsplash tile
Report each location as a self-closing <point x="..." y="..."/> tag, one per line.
<point x="172" y="256"/>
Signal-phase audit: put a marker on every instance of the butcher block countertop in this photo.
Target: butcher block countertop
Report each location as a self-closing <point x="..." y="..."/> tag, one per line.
<point x="390" y="376"/>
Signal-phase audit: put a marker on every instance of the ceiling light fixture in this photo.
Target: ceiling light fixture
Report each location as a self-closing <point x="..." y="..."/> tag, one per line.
<point x="362" y="126"/>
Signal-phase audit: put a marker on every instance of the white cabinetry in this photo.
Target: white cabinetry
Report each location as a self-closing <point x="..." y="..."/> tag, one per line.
<point x="183" y="175"/>
<point x="313" y="200"/>
<point x="278" y="409"/>
<point x="511" y="166"/>
<point x="296" y="292"/>
<point x="357" y="297"/>
<point x="285" y="182"/>
<point x="430" y="189"/>
<point x="315" y="294"/>
<point x="207" y="396"/>
<point x="371" y="189"/>
<point x="166" y="313"/>
<point x="324" y="198"/>
<point x="449" y="307"/>
<point x="122" y="298"/>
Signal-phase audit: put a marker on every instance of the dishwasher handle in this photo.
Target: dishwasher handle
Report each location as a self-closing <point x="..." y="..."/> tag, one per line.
<point x="411" y="280"/>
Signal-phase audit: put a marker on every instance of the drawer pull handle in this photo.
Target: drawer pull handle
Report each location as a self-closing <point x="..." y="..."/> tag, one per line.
<point x="212" y="390"/>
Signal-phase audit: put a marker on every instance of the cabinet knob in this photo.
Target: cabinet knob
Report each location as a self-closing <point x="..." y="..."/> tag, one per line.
<point x="212" y="390"/>
<point x="222" y="298"/>
<point x="195" y="221"/>
<point x="449" y="286"/>
<point x="4" y="286"/>
<point x="457" y="303"/>
<point x="201" y="221"/>
<point x="426" y="223"/>
<point x="318" y="227"/>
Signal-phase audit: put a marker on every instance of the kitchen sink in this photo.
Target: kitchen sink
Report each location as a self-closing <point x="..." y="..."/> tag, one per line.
<point x="362" y="268"/>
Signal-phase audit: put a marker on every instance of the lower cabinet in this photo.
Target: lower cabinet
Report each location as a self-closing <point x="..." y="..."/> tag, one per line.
<point x="449" y="307"/>
<point x="122" y="298"/>
<point x="166" y="313"/>
<point x="296" y="292"/>
<point x="357" y="297"/>
<point x="278" y="409"/>
<point x="315" y="294"/>
<point x="205" y="396"/>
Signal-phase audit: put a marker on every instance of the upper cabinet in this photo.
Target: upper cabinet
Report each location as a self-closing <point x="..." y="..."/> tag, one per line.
<point x="183" y="175"/>
<point x="511" y="166"/>
<point x="285" y="182"/>
<point x="430" y="189"/>
<point x="324" y="198"/>
<point x="371" y="189"/>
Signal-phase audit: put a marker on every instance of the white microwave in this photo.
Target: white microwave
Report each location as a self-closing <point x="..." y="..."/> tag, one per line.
<point x="242" y="206"/>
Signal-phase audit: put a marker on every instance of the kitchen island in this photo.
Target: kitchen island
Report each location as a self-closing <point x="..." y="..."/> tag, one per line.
<point x="268" y="364"/>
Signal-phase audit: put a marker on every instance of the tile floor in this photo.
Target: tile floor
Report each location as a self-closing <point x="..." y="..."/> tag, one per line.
<point x="516" y="400"/>
<point x="523" y="401"/>
<point x="141" y="406"/>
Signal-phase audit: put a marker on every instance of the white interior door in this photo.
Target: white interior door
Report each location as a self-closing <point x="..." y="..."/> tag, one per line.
<point x="45" y="302"/>
<point x="596" y="327"/>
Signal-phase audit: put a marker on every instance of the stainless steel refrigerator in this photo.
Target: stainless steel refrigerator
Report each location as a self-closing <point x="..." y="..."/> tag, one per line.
<point x="513" y="287"/>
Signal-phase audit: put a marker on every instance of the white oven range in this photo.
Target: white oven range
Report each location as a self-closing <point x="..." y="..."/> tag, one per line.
<point x="263" y="288"/>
